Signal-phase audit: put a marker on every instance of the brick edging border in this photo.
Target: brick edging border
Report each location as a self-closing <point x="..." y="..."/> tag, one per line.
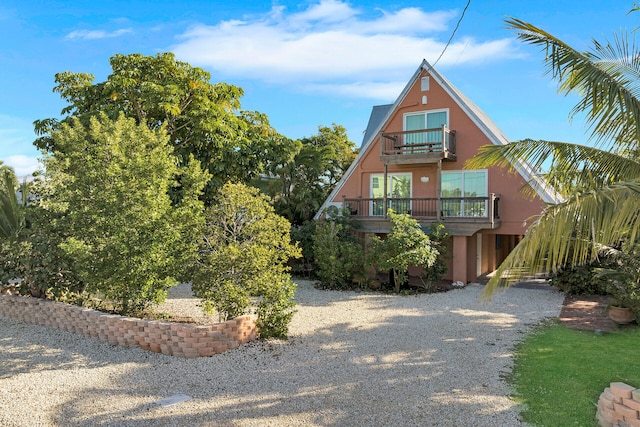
<point x="619" y="406"/>
<point x="169" y="338"/>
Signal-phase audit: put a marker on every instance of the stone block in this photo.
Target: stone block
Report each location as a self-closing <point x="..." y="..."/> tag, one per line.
<point x="631" y="403"/>
<point x="603" y="402"/>
<point x="604" y="420"/>
<point x="621" y="389"/>
<point x="625" y="411"/>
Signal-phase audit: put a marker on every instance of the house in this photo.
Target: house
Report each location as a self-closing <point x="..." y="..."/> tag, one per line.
<point x="412" y="161"/>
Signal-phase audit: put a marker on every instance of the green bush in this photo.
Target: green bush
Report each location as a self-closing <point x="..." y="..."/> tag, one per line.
<point x="303" y="235"/>
<point x="242" y="263"/>
<point x="111" y="219"/>
<point x="338" y="253"/>
<point x="276" y="309"/>
<point x="580" y="280"/>
<point x="433" y="275"/>
<point x="406" y="245"/>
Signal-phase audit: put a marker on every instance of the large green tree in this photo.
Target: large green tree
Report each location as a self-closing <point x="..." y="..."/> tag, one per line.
<point x="300" y="185"/>
<point x="200" y="118"/>
<point x="106" y="192"/>
<point x="600" y="184"/>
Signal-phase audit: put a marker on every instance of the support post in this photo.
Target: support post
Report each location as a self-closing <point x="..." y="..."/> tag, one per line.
<point x="385" y="196"/>
<point x="439" y="190"/>
<point x="460" y="263"/>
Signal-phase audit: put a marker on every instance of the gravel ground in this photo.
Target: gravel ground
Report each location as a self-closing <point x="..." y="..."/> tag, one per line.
<point x="353" y="359"/>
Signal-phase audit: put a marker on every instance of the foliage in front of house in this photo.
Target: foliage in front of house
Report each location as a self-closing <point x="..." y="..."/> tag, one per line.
<point x="406" y="245"/>
<point x="338" y="252"/>
<point x="344" y="260"/>
<point x="118" y="217"/>
<point x="440" y="241"/>
<point x="579" y="280"/>
<point x="243" y="258"/>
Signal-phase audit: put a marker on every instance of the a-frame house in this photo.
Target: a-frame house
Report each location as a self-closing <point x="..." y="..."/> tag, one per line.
<point x="412" y="161"/>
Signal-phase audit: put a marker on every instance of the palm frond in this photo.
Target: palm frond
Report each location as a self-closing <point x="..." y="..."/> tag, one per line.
<point x="570" y="233"/>
<point x="606" y="79"/>
<point x="564" y="167"/>
<point x="11" y="218"/>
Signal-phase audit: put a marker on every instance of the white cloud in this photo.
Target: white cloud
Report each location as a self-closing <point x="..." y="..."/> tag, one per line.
<point x="373" y="90"/>
<point x="16" y="148"/>
<point x="326" y="11"/>
<point x="333" y="46"/>
<point x="96" y="34"/>
<point x="22" y="165"/>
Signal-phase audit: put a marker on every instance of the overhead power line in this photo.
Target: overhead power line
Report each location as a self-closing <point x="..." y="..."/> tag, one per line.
<point x="454" y="32"/>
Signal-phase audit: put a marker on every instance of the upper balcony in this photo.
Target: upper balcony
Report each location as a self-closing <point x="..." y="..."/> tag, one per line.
<point x="418" y="146"/>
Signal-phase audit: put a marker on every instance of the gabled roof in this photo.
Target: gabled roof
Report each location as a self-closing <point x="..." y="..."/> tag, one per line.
<point x="378" y="115"/>
<point x="381" y="114"/>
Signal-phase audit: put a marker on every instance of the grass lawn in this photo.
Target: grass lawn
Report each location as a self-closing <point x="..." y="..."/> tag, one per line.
<point x="559" y="373"/>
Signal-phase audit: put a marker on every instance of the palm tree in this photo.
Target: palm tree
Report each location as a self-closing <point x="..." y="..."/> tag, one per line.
<point x="599" y="185"/>
<point x="11" y="214"/>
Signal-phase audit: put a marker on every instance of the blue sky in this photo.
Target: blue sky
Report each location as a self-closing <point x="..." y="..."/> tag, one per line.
<point x="304" y="64"/>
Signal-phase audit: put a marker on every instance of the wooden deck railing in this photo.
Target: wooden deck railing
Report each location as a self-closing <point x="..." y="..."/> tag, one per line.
<point x="436" y="140"/>
<point x="427" y="208"/>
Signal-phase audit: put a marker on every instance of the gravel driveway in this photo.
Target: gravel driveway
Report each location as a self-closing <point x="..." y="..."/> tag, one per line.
<point x="353" y="359"/>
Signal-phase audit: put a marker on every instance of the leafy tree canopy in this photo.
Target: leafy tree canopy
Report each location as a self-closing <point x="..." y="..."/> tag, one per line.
<point x="200" y="118"/>
<point x="106" y="189"/>
<point x="301" y="184"/>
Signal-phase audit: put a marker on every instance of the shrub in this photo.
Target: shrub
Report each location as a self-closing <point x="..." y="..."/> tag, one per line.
<point x="106" y="192"/>
<point x="406" y="245"/>
<point x="35" y="257"/>
<point x="580" y="280"/>
<point x="338" y="253"/>
<point x="243" y="260"/>
<point x="433" y="275"/>
<point x="303" y="235"/>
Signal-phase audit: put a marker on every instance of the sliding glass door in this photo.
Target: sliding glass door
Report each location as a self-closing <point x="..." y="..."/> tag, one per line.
<point x="460" y="184"/>
<point x="398" y="187"/>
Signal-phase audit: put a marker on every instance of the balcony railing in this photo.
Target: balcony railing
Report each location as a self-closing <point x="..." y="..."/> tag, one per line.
<point x="434" y="209"/>
<point x="418" y="145"/>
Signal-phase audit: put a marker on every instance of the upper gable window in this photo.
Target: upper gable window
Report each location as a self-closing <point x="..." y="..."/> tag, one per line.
<point x="430" y="120"/>
<point x="424" y="84"/>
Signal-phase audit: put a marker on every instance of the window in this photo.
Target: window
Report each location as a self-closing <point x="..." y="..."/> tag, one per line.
<point x="424" y="84"/>
<point x="398" y="193"/>
<point x="425" y="120"/>
<point x="459" y="185"/>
